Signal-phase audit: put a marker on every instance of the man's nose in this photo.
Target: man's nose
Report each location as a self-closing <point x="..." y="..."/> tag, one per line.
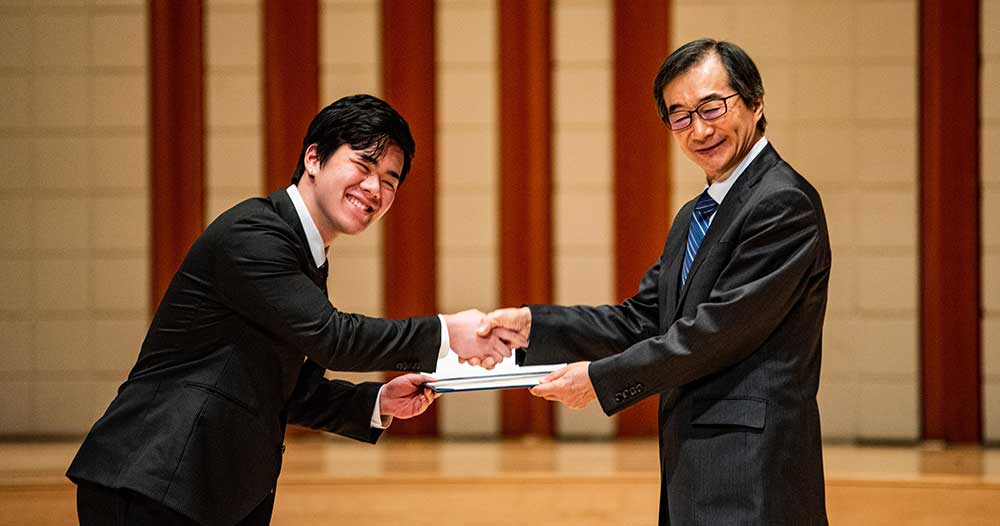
<point x="371" y="185"/>
<point x="701" y="129"/>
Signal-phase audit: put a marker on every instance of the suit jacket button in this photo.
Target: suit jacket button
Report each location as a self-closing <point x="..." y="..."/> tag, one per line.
<point x="399" y="366"/>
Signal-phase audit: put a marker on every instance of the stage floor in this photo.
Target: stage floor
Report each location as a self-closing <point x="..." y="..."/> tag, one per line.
<point x="332" y="480"/>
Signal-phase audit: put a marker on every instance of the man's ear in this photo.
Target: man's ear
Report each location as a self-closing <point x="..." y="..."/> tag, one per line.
<point x="311" y="160"/>
<point x="758" y="108"/>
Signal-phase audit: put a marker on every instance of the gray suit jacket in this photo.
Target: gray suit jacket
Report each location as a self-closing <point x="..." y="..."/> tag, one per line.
<point x="734" y="354"/>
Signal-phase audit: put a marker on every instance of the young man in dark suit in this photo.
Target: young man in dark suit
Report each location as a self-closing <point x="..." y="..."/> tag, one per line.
<point x="726" y="326"/>
<point x="240" y="342"/>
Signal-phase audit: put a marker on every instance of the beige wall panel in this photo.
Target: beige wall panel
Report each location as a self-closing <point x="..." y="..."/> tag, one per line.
<point x="467" y="221"/>
<point x="887" y="219"/>
<point x="471" y="282"/>
<point x="887" y="348"/>
<point x="15" y="40"/>
<point x="61" y="285"/>
<point x="234" y="38"/>
<point x="63" y="406"/>
<point x="469" y="161"/>
<point x="840" y="208"/>
<point x="822" y="29"/>
<point x="886" y="156"/>
<point x="991" y="283"/>
<point x="462" y="96"/>
<point x="16" y="278"/>
<point x="823" y="93"/>
<point x="779" y="89"/>
<point x="990" y="220"/>
<point x="367" y="243"/>
<point x="233" y="100"/>
<point x="64" y="345"/>
<point x="824" y="153"/>
<point x="582" y="32"/>
<point x="346" y="34"/>
<point x="990" y="86"/>
<point x="60" y="100"/>
<point x="886" y="91"/>
<point x="119" y="40"/>
<point x="467" y="33"/>
<point x="116" y="344"/>
<point x="16" y="415"/>
<point x="990" y="154"/>
<point x="121" y="223"/>
<point x="341" y="81"/>
<point x="234" y="160"/>
<point x="886" y="29"/>
<point x="120" y="163"/>
<point x="61" y="163"/>
<point x="887" y="283"/>
<point x="582" y="158"/>
<point x="841" y="347"/>
<point x="582" y="94"/>
<point x="838" y="408"/>
<point x="888" y="410"/>
<point x="15" y="92"/>
<point x="583" y="279"/>
<point x="694" y="20"/>
<point x="219" y="199"/>
<point x="763" y="29"/>
<point x="582" y="219"/>
<point x="15" y="215"/>
<point x="118" y="284"/>
<point x="352" y="284"/>
<point x="470" y="415"/>
<point x="62" y="223"/>
<point x="16" y="172"/>
<point x="842" y="300"/>
<point x="991" y="412"/>
<point x="60" y="40"/>
<point x="991" y="348"/>
<point x="589" y="422"/>
<point x="19" y="350"/>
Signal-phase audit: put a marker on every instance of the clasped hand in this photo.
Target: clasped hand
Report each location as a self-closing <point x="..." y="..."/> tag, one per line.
<point x="570" y="385"/>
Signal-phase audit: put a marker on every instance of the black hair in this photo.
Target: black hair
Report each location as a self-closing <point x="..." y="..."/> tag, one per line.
<point x="364" y="122"/>
<point x="742" y="72"/>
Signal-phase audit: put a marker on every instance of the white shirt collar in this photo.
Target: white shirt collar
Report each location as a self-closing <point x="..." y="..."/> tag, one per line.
<point x="312" y="233"/>
<point x="718" y="191"/>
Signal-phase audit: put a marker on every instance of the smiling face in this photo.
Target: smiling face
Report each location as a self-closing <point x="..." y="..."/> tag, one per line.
<point x="718" y="145"/>
<point x="351" y="190"/>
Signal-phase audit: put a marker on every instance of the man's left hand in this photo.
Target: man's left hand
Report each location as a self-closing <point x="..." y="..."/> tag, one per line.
<point x="570" y="385"/>
<point x="404" y="396"/>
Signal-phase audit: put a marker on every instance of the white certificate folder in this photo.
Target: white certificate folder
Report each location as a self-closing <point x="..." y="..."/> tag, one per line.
<point x="510" y="378"/>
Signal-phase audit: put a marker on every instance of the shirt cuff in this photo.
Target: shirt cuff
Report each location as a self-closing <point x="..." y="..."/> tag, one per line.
<point x="378" y="421"/>
<point x="445" y="339"/>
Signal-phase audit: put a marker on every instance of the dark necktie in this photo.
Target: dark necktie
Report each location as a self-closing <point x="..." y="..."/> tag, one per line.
<point x="703" y="211"/>
<point x="324" y="272"/>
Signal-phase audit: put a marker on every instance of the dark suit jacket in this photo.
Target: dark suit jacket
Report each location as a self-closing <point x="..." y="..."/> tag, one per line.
<point x="237" y="347"/>
<point x="734" y="354"/>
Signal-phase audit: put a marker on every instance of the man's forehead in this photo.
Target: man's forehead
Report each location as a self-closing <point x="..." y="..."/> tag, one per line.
<point x="703" y="80"/>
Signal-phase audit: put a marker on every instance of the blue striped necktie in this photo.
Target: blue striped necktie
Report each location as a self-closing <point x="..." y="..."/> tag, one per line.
<point x="703" y="211"/>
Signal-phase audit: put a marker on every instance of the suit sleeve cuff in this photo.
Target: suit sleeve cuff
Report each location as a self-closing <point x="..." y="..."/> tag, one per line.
<point x="378" y="421"/>
<point x="445" y="339"/>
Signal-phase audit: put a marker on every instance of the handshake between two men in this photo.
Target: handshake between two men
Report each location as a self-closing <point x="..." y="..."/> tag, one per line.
<point x="485" y="340"/>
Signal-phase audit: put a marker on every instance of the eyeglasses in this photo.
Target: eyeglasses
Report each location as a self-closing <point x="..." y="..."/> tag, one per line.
<point x="708" y="111"/>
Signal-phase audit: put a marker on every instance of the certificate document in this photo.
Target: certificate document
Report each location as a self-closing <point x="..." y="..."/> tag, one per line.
<point x="451" y="376"/>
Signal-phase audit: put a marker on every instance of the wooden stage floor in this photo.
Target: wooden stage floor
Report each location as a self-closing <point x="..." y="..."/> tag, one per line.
<point x="513" y="482"/>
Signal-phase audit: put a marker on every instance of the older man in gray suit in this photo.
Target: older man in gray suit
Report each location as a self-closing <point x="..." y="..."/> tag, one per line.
<point x="726" y="326"/>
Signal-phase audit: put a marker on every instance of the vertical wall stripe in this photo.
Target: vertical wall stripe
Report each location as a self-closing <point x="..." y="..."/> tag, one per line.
<point x="291" y="84"/>
<point x="641" y="163"/>
<point x="177" y="152"/>
<point x="949" y="227"/>
<point x="525" y="115"/>
<point x="410" y="245"/>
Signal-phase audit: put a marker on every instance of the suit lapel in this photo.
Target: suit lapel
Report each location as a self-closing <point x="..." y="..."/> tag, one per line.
<point x="286" y="210"/>
<point x="674" y="254"/>
<point x="727" y="212"/>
